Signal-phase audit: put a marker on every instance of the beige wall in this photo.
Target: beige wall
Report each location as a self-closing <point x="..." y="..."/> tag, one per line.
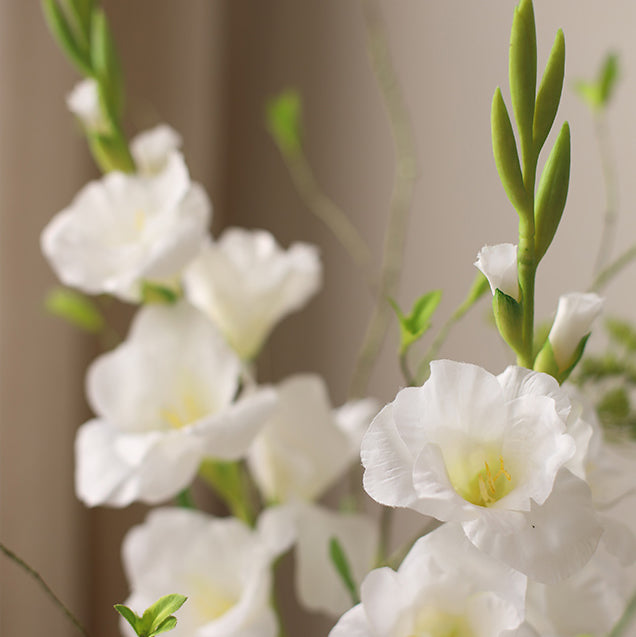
<point x="206" y="67"/>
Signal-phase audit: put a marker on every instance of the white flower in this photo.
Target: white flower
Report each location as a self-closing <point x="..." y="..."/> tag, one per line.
<point x="302" y="449"/>
<point x="575" y="314"/>
<point x="221" y="565"/>
<point x="152" y="148"/>
<point x="83" y="102"/>
<point x="163" y="401"/>
<point x="444" y="587"/>
<point x="124" y="229"/>
<point x="489" y="452"/>
<point x="498" y="263"/>
<point x="246" y="283"/>
<point x="318" y="584"/>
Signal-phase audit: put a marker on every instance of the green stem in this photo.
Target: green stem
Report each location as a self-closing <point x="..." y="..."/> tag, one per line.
<point x="624" y="622"/>
<point x="45" y="587"/>
<point x="407" y="374"/>
<point x="382" y="555"/>
<point x="401" y="199"/>
<point x="527" y="273"/>
<point x="606" y="275"/>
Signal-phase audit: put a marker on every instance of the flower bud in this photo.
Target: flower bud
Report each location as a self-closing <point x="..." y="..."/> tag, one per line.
<point x="499" y="265"/>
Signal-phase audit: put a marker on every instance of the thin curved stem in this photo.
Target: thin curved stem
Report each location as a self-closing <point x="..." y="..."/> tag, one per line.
<point x="401" y="199"/>
<point x="606" y="275"/>
<point x="45" y="587"/>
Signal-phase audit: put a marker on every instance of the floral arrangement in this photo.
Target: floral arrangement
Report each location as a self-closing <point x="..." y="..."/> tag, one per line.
<point x="520" y="489"/>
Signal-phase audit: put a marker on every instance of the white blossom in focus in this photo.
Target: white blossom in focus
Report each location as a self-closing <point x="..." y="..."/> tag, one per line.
<point x="164" y="402"/>
<point x="498" y="264"/>
<point x="125" y="229"/>
<point x="152" y="149"/>
<point x="221" y="565"/>
<point x="302" y="449"/>
<point x="83" y="102"/>
<point x="246" y="283"/>
<point x="491" y="453"/>
<point x="575" y="314"/>
<point x="444" y="587"/>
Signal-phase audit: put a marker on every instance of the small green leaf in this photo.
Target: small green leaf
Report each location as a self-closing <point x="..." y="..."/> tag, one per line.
<point x="415" y="324"/>
<point x="523" y="71"/>
<point x="508" y="318"/>
<point x="340" y="562"/>
<point x="129" y="615"/>
<point x="608" y="78"/>
<point x="504" y="150"/>
<point x="158" y="294"/>
<point x="161" y="610"/>
<point x="283" y="117"/>
<point x="76" y="308"/>
<point x="549" y="94"/>
<point x="552" y="192"/>
<point x="167" y="624"/>
<point x="63" y="34"/>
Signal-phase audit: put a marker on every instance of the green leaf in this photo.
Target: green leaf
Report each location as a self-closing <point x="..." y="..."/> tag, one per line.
<point x="552" y="192"/>
<point x="549" y="94"/>
<point x="504" y="150"/>
<point x="415" y="324"/>
<point x="167" y="624"/>
<point x="622" y="333"/>
<point x="340" y="562"/>
<point x="161" y="610"/>
<point x="78" y="14"/>
<point x="129" y="615"/>
<point x="76" y="308"/>
<point x="608" y="78"/>
<point x="283" y="117"/>
<point x="508" y="318"/>
<point x="523" y="72"/>
<point x="106" y="67"/>
<point x="63" y="35"/>
<point x="159" y="294"/>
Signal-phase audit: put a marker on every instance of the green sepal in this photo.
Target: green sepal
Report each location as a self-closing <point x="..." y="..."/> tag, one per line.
<point x="152" y="293"/>
<point x="110" y="152"/>
<point x="63" y="35"/>
<point x="415" y="324"/>
<point x="75" y="308"/>
<point x="576" y="357"/>
<point x="106" y="67"/>
<point x="508" y="315"/>
<point x="229" y="481"/>
<point x="546" y="362"/>
<point x="523" y="72"/>
<point x="283" y="115"/>
<point x="598" y="93"/>
<point x="549" y="93"/>
<point x="341" y="564"/>
<point x="552" y="193"/>
<point x="504" y="149"/>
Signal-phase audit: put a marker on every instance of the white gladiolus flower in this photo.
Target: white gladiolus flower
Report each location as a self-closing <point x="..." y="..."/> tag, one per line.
<point x="498" y="263"/>
<point x="221" y="565"/>
<point x="246" y="283"/>
<point x="303" y="448"/>
<point x="575" y="314"/>
<point x="124" y="229"/>
<point x="152" y="148"/>
<point x="444" y="587"/>
<point x="83" y="102"/>
<point x="491" y="453"/>
<point x="163" y="401"/>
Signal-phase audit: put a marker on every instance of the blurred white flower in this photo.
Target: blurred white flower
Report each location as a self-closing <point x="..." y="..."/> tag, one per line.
<point x="151" y="149"/>
<point x="445" y="586"/>
<point x="302" y="449"/>
<point x="164" y="402"/>
<point x="83" y="102"/>
<point x="221" y="565"/>
<point x="489" y="452"/>
<point x="575" y="314"/>
<point x="318" y="584"/>
<point x="125" y="229"/>
<point x="498" y="264"/>
<point x="246" y="283"/>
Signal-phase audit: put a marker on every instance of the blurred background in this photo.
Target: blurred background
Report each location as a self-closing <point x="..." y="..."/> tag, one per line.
<point x="207" y="67"/>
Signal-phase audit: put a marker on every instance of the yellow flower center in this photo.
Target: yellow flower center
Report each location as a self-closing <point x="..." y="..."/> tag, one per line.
<point x="188" y="409"/>
<point x="208" y="600"/>
<point x="482" y="485"/>
<point x="435" y="623"/>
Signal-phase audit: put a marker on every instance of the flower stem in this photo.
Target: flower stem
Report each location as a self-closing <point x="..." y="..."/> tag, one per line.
<point x="401" y="199"/>
<point x="45" y="587"/>
<point x="607" y="274"/>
